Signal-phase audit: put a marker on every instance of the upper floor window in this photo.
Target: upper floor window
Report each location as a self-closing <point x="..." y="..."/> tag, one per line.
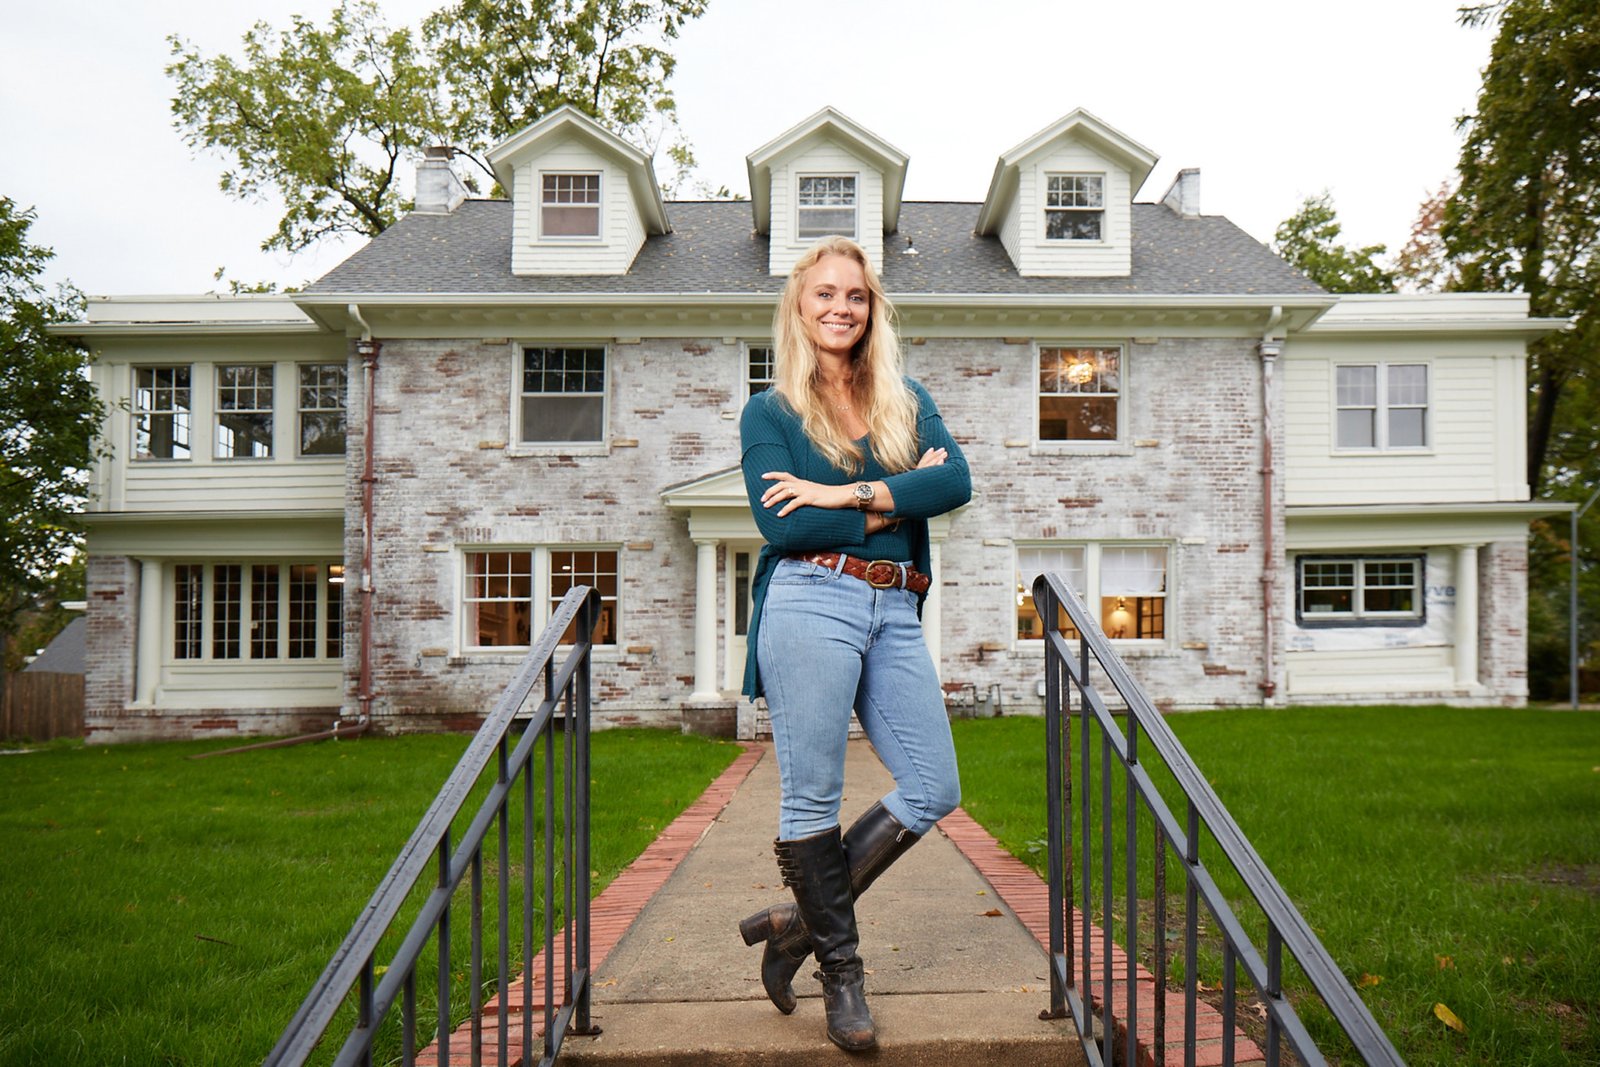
<point x="322" y="405"/>
<point x="1074" y="207"/>
<point x="1125" y="584"/>
<point x="161" y="412"/>
<point x="758" y="368"/>
<point x="244" y="411"/>
<point x="570" y="205"/>
<point x="563" y="395"/>
<point x="1079" y="391"/>
<point x="1381" y="406"/>
<point x="510" y="595"/>
<point x="1340" y="591"/>
<point x="826" y="205"/>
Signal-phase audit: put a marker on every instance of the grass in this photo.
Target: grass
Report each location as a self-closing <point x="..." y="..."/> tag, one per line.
<point x="1443" y="856"/>
<point x="168" y="911"/>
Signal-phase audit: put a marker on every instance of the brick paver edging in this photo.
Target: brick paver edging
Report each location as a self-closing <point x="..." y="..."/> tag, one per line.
<point x="1028" y="897"/>
<point x="610" y="915"/>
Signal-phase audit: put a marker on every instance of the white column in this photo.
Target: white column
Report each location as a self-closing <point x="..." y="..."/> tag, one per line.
<point x="705" y="621"/>
<point x="931" y="606"/>
<point x="147" y="661"/>
<point x="1466" y="635"/>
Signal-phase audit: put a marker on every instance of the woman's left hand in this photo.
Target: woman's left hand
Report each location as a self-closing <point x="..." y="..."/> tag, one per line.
<point x="799" y="492"/>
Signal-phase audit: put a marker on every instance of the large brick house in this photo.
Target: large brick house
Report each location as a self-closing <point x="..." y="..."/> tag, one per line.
<point x="1270" y="494"/>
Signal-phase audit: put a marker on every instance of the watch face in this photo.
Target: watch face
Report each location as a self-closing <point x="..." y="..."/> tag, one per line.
<point x="864" y="492"/>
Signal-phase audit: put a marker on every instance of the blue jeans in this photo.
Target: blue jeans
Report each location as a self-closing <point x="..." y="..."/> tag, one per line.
<point x="830" y="643"/>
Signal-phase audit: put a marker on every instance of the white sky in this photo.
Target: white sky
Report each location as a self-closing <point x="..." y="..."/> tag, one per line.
<point x="1273" y="99"/>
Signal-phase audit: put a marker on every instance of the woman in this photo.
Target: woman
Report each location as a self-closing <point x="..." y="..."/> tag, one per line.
<point x="844" y="462"/>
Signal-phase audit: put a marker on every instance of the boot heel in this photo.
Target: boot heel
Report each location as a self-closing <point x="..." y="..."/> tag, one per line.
<point x="757" y="928"/>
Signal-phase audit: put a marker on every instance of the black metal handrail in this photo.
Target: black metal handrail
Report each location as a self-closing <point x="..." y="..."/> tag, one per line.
<point x="1074" y="988"/>
<point x="566" y="692"/>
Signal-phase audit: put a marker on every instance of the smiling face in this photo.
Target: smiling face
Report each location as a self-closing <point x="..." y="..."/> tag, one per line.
<point x="835" y="305"/>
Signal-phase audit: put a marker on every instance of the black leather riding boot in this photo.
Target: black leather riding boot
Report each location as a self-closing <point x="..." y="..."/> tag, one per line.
<point x="871" y="846"/>
<point x="815" y="869"/>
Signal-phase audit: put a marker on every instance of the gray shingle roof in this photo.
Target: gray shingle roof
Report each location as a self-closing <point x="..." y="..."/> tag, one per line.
<point x="712" y="249"/>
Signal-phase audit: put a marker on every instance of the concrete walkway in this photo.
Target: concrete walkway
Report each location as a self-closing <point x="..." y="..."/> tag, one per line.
<point x="952" y="937"/>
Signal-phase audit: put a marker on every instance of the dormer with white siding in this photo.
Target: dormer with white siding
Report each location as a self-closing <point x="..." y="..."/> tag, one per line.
<point x="826" y="175"/>
<point x="1061" y="202"/>
<point x="584" y="200"/>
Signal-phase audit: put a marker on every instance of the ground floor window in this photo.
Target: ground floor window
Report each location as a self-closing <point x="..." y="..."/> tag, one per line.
<point x="1359" y="590"/>
<point x="511" y="593"/>
<point x="264" y="611"/>
<point x="1125" y="583"/>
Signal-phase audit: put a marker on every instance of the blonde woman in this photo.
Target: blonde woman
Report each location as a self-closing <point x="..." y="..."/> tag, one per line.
<point x="844" y="461"/>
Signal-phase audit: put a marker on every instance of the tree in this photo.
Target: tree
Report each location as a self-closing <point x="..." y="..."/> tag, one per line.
<point x="1527" y="213"/>
<point x="1308" y="240"/>
<point x="1424" y="264"/>
<point x="323" y="118"/>
<point x="49" y="419"/>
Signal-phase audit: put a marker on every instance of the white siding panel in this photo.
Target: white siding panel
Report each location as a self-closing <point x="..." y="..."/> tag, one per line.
<point x="1475" y="445"/>
<point x="1370" y="672"/>
<point x="243" y="684"/>
<point x="246" y="484"/>
<point x="1011" y="231"/>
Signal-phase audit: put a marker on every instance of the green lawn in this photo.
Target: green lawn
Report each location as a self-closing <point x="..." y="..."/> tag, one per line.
<point x="1446" y="855"/>
<point x="165" y="910"/>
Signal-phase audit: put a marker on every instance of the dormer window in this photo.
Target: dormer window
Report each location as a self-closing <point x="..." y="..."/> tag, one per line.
<point x="826" y="205"/>
<point x="1074" y="207"/>
<point x="570" y="206"/>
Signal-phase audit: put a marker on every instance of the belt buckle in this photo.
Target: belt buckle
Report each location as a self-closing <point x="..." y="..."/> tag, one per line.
<point x="894" y="574"/>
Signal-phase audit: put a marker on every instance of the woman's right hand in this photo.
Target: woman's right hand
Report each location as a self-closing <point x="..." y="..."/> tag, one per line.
<point x="933" y="457"/>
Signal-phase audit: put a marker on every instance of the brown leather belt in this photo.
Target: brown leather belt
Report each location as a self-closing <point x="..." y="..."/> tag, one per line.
<point x="878" y="573"/>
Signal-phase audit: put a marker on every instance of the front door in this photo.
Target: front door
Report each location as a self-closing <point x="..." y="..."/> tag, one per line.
<point x="741" y="569"/>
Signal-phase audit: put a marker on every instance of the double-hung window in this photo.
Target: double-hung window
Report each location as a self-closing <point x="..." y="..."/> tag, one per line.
<point x="162" y="415"/>
<point x="825" y="204"/>
<point x="1074" y="207"/>
<point x="1359" y="590"/>
<point x="563" y="395"/>
<point x="758" y="369"/>
<point x="322" y="406"/>
<point x="262" y="611"/>
<point x="511" y="593"/>
<point x="570" y="205"/>
<point x="1125" y="584"/>
<point x="1079" y="392"/>
<point x="244" y="411"/>
<point x="1381" y="406"/>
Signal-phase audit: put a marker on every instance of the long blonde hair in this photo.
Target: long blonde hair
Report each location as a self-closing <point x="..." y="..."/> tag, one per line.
<point x="878" y="383"/>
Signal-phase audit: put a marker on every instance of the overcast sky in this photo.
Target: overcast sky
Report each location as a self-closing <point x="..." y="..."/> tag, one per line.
<point x="1273" y="100"/>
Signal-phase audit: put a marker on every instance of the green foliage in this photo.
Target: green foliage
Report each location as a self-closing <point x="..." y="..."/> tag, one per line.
<point x="1308" y="240"/>
<point x="1449" y="855"/>
<point x="173" y="911"/>
<point x="323" y="118"/>
<point x="37" y="627"/>
<point x="1527" y="213"/>
<point x="49" y="416"/>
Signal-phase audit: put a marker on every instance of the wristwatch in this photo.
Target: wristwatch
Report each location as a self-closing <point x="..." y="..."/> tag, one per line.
<point x="864" y="495"/>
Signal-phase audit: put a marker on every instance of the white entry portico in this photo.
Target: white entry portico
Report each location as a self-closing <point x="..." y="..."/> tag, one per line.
<point x="719" y="517"/>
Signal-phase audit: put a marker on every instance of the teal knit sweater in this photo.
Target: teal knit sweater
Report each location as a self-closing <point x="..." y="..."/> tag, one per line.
<point x="772" y="440"/>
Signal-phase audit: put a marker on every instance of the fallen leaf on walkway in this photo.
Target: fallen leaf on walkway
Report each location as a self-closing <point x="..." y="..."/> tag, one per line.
<point x="1446" y="963"/>
<point x="992" y="913"/>
<point x="708" y="885"/>
<point x="1367" y="981"/>
<point x="983" y="892"/>
<point x="1449" y="1018"/>
<point x="758" y="885"/>
<point x="672" y="939"/>
<point x="608" y="982"/>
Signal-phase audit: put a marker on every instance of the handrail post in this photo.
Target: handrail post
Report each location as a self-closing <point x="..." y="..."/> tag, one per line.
<point x="1052" y="777"/>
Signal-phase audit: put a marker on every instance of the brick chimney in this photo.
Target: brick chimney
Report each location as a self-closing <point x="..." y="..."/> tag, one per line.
<point x="439" y="190"/>
<point x="1184" y="196"/>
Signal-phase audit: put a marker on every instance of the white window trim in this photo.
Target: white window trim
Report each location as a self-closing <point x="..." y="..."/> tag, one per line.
<point x="274" y="442"/>
<point x="794" y="213"/>
<point x="464" y="649"/>
<point x="744" y="366"/>
<point x="1381" y="447"/>
<point x="516" y="446"/>
<point x="1119" y="444"/>
<point x="599" y="237"/>
<point x="1091" y="584"/>
<point x="1045" y="240"/>
<point x="299" y="414"/>
<point x="1357" y="617"/>
<point x="169" y="615"/>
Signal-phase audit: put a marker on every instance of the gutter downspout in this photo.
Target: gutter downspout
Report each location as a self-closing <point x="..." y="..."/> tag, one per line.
<point x="369" y="349"/>
<point x="1270" y="347"/>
